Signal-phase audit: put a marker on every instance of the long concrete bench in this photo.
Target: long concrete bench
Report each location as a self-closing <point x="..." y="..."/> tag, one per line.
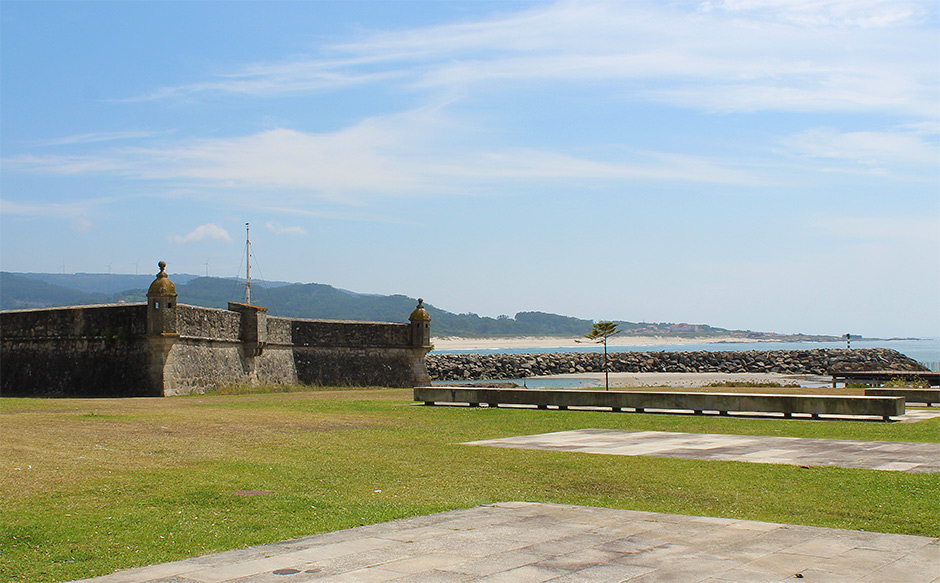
<point x="927" y="396"/>
<point x="723" y="403"/>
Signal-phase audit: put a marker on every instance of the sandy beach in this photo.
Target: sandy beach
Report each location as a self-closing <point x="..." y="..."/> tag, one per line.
<point x="460" y="343"/>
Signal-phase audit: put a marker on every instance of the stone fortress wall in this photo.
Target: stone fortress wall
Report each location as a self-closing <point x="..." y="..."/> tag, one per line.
<point x="163" y="348"/>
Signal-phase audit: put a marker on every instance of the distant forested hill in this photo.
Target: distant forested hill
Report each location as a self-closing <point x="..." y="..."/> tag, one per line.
<point x="100" y="283"/>
<point x="18" y="292"/>
<point x="311" y="300"/>
<point x="315" y="300"/>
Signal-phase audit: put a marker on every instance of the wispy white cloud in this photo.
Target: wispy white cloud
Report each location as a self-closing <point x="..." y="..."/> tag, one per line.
<point x="279" y="229"/>
<point x="356" y="215"/>
<point x="860" y="13"/>
<point x="422" y="152"/>
<point x="262" y="79"/>
<point x="336" y="166"/>
<point x="929" y="127"/>
<point x="201" y="233"/>
<point x="78" y="213"/>
<point x="95" y="137"/>
<point x="869" y="149"/>
<point x="728" y="56"/>
<point x="73" y="164"/>
<point x="56" y="209"/>
<point x="82" y="224"/>
<point x="532" y="164"/>
<point x="368" y="157"/>
<point x="735" y="55"/>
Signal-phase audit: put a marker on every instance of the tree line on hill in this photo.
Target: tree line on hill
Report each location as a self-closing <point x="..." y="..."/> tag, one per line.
<point x="311" y="300"/>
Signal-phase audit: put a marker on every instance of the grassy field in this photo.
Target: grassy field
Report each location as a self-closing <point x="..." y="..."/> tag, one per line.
<point x="94" y="485"/>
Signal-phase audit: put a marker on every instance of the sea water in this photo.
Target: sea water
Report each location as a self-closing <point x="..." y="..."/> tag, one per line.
<point x="925" y="351"/>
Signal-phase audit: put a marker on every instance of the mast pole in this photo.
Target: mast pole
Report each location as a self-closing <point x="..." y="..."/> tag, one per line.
<point x="247" y="265"/>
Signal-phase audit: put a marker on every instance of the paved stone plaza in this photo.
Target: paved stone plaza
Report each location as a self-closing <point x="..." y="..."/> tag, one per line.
<point x="520" y="542"/>
<point x="875" y="455"/>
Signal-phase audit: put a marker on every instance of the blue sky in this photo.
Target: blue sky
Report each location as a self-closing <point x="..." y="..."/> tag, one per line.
<point x="762" y="164"/>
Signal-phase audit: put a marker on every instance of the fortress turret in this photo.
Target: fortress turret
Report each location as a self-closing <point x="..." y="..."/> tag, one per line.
<point x="420" y="325"/>
<point x="161" y="304"/>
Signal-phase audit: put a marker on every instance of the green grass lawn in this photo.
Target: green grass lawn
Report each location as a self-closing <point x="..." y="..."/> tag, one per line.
<point x="94" y="485"/>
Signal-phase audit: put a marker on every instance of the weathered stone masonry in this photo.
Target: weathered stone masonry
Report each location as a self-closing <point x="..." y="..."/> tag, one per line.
<point x="164" y="348"/>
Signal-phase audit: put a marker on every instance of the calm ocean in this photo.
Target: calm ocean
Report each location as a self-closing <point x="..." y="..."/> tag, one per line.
<point x="924" y="351"/>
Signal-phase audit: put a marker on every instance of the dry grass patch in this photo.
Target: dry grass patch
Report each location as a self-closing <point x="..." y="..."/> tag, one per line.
<point x="90" y="439"/>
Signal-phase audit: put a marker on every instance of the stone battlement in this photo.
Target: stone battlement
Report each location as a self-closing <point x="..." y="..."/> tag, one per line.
<point x="164" y="348"/>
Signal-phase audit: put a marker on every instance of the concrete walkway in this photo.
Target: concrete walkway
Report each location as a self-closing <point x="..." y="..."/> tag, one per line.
<point x="694" y="379"/>
<point x="876" y="455"/>
<point x="519" y="542"/>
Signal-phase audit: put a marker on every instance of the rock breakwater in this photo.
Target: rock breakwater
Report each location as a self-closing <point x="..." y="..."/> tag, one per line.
<point x="458" y="367"/>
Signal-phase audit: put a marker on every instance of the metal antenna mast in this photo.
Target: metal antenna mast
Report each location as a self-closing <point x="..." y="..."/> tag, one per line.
<point x="247" y="265"/>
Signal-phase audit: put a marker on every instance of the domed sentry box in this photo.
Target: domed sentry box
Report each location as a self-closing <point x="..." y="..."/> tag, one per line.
<point x="420" y="325"/>
<point x="161" y="304"/>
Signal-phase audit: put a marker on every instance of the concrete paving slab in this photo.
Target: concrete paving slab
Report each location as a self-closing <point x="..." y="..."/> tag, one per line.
<point x="574" y="544"/>
<point x="895" y="456"/>
<point x="917" y="415"/>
